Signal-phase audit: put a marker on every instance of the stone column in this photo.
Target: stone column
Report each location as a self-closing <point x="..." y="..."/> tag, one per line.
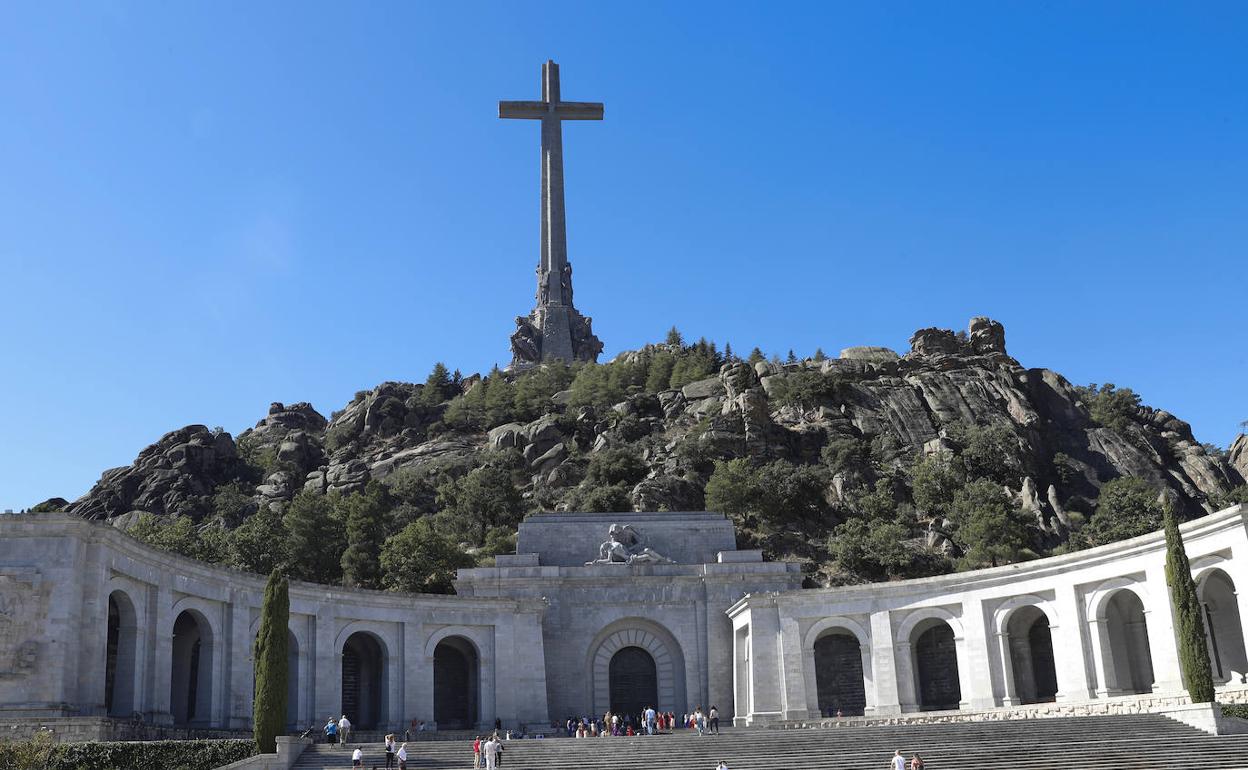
<point x="1069" y="648"/>
<point x="885" y="676"/>
<point x="1162" y="642"/>
<point x="811" y="680"/>
<point x="413" y="670"/>
<point x="92" y="620"/>
<point x="160" y="647"/>
<point x="907" y="690"/>
<point x="974" y="672"/>
<point x="1106" y="672"/>
<point x="1010" y="697"/>
<point x="867" y="680"/>
<point x="239" y="654"/>
<point x="527" y="673"/>
<point x="792" y="661"/>
<point x="327" y="664"/>
<point x="767" y="664"/>
<point x="395" y="687"/>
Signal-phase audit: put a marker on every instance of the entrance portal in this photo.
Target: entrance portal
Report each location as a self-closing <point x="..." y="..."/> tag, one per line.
<point x="190" y="681"/>
<point x="363" y="677"/>
<point x="455" y="684"/>
<point x="936" y="661"/>
<point x="634" y="681"/>
<point x="838" y="675"/>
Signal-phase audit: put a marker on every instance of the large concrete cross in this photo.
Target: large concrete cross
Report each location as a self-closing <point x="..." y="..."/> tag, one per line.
<point x="552" y="111"/>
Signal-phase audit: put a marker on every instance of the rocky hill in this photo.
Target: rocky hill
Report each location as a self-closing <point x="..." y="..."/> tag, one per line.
<point x="663" y="419"/>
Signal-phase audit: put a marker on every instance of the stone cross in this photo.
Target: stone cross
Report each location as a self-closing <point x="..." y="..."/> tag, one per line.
<point x="554" y="272"/>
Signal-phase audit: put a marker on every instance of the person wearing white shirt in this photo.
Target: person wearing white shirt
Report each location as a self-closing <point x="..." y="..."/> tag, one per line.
<point x="344" y="727"/>
<point x="357" y="757"/>
<point x="491" y="748"/>
<point x="898" y="761"/>
<point x="722" y="765"/>
<point x="402" y="755"/>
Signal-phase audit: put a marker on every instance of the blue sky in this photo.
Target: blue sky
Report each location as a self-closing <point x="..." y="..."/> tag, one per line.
<point x="205" y="207"/>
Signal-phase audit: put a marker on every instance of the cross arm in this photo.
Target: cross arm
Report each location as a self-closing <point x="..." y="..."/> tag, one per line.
<point x="579" y="110"/>
<point x="521" y="109"/>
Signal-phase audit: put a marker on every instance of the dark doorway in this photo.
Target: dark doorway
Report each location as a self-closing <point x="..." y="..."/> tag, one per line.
<point x="634" y="681"/>
<point x="1031" y="656"/>
<point x="455" y="684"/>
<point x="936" y="658"/>
<point x="120" y="656"/>
<point x="838" y="675"/>
<point x="190" y="682"/>
<point x="363" y="680"/>
<point x="1043" y="666"/>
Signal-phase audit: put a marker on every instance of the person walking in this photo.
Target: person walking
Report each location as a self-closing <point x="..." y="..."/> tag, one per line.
<point x="898" y="762"/>
<point x="722" y="765"/>
<point x="344" y="730"/>
<point x="916" y="762"/>
<point x="699" y="721"/>
<point x="715" y="719"/>
<point x="357" y="757"/>
<point x="402" y="753"/>
<point x="650" y="720"/>
<point x="490" y="749"/>
<point x="390" y="746"/>
<point x="331" y="732"/>
<point x="476" y="753"/>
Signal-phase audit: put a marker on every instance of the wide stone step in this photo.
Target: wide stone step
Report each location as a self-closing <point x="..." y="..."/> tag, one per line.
<point x="1091" y="743"/>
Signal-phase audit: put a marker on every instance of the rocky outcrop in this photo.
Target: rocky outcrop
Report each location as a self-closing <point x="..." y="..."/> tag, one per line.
<point x="174" y="475"/>
<point x="900" y="407"/>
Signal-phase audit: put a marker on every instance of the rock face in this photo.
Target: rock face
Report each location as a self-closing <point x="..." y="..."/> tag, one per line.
<point x="172" y="475"/>
<point x="900" y="407"/>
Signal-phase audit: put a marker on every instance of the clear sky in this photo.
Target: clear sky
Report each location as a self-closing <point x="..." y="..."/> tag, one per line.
<point x="208" y="206"/>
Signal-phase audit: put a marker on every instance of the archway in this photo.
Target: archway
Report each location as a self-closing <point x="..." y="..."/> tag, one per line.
<point x="456" y="684"/>
<point x="190" y="682"/>
<point x="936" y="666"/>
<point x="121" y="656"/>
<point x="1129" y="656"/>
<point x="1223" y="629"/>
<point x="1031" y="655"/>
<point x="363" y="681"/>
<point x="634" y="681"/>
<point x="654" y="639"/>
<point x="838" y="674"/>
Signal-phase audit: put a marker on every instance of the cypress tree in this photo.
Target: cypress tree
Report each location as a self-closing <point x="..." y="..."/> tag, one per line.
<point x="269" y="707"/>
<point x="1193" y="654"/>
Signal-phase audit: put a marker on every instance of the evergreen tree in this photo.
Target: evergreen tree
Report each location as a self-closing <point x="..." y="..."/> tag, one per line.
<point x="421" y="559"/>
<point x="674" y="337"/>
<point x="260" y="544"/>
<point x="820" y="355"/>
<point x="438" y="386"/>
<point x="268" y="711"/>
<point x="756" y="355"/>
<point x="365" y="517"/>
<point x="500" y="399"/>
<point x="316" y="538"/>
<point x="729" y="356"/>
<point x="792" y="357"/>
<point x="1193" y="654"/>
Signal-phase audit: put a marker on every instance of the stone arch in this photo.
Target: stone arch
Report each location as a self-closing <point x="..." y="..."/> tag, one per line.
<point x="364" y="669"/>
<point x="838" y="652"/>
<point x="1023" y="625"/>
<point x="654" y="639"/>
<point x="935" y="640"/>
<point x="122" y="686"/>
<point x="456" y="683"/>
<point x="1119" y="617"/>
<point x="1224" y="632"/>
<point x="193" y="658"/>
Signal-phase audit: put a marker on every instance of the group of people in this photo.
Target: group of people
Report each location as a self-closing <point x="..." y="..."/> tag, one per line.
<point x="648" y="722"/>
<point x="898" y="762"/>
<point x="487" y="752"/>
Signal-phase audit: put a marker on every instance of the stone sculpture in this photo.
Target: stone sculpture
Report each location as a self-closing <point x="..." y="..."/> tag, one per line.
<point x="625" y="545"/>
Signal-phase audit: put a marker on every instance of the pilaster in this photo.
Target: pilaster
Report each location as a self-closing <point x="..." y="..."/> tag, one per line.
<point x="885" y="676"/>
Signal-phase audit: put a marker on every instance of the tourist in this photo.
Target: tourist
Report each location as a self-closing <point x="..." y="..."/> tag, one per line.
<point x="490" y="750"/>
<point x="651" y="718"/>
<point x="331" y="731"/>
<point x="722" y="765"/>
<point x="390" y="750"/>
<point x="899" y="762"/>
<point x="344" y="730"/>
<point x="699" y="721"/>
<point x="916" y="762"/>
<point x="715" y="719"/>
<point x="357" y="757"/>
<point x="476" y="753"/>
<point x="403" y="756"/>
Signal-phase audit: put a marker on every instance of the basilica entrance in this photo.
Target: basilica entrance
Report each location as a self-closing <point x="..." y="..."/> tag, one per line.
<point x="455" y="684"/>
<point x="363" y="677"/>
<point x="634" y="681"/>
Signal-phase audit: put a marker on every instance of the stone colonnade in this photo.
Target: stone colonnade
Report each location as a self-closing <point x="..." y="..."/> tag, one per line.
<point x="1082" y="627"/>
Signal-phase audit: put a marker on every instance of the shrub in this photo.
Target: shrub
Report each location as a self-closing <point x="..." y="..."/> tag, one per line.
<point x="128" y="755"/>
<point x="615" y="466"/>
<point x="420" y="559"/>
<point x="1110" y="406"/>
<point x="1127" y="507"/>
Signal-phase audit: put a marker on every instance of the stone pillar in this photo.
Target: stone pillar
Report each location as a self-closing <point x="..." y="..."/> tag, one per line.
<point x="1010" y="696"/>
<point x="792" y="661"/>
<point x="395" y="686"/>
<point x="327" y="664"/>
<point x="92" y="622"/>
<point x="907" y="689"/>
<point x="413" y="671"/>
<point x="1106" y="672"/>
<point x="885" y="676"/>
<point x="766" y="664"/>
<point x="527" y="671"/>
<point x="719" y="659"/>
<point x="974" y="672"/>
<point x="239" y="653"/>
<point x="1069" y="649"/>
<point x="811" y="680"/>
<point x="1162" y="641"/>
<point x="160" y="657"/>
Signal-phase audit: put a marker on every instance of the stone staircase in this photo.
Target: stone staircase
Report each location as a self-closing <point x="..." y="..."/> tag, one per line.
<point x="1076" y="743"/>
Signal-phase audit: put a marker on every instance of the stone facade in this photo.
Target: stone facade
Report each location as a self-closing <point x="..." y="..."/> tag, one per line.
<point x="94" y="624"/>
<point x="1078" y="632"/>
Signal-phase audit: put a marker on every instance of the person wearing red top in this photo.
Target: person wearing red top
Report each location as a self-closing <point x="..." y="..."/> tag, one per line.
<point x="476" y="753"/>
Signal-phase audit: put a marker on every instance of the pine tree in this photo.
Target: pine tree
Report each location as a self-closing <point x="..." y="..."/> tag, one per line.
<point x="674" y="337"/>
<point x="729" y="356"/>
<point x="271" y="662"/>
<point x="1193" y="654"/>
<point x="437" y="386"/>
<point x="756" y="355"/>
<point x="316" y="538"/>
<point x="792" y="357"/>
<point x="365" y="515"/>
<point x="820" y="355"/>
